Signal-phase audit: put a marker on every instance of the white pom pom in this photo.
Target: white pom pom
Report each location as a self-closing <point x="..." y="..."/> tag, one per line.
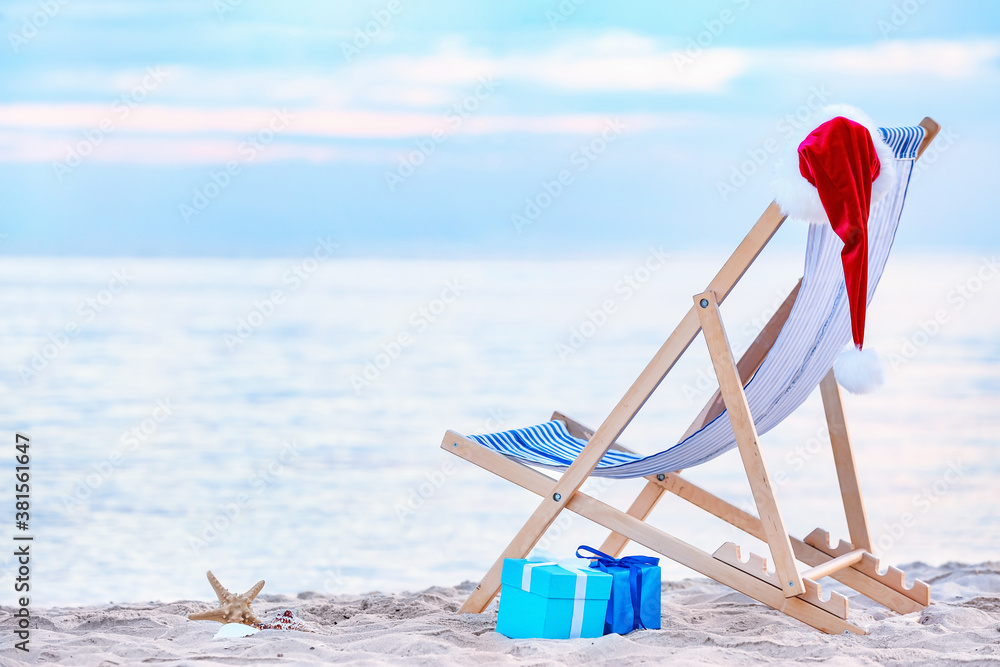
<point x="859" y="371"/>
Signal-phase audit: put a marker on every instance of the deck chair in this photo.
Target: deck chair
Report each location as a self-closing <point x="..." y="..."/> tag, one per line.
<point x="791" y="356"/>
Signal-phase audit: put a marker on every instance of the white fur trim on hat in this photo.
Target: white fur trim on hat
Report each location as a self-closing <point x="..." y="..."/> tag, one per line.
<point x="796" y="196"/>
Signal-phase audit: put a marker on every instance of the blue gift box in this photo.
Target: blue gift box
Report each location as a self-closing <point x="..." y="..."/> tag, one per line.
<point x="540" y="599"/>
<point x="635" y="588"/>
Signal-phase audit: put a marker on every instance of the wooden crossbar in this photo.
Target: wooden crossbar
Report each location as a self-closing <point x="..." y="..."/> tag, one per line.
<point x="833" y="565"/>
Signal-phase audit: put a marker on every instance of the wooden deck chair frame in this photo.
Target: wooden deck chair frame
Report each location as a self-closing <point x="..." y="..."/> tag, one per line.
<point x="788" y="590"/>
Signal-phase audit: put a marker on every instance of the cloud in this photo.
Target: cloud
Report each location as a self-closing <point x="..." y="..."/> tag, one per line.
<point x="380" y="102"/>
<point x="157" y="134"/>
<point x="608" y="64"/>
<point x="146" y="150"/>
<point x="159" y="119"/>
<point x="946" y="59"/>
<point x="612" y="62"/>
<point x="621" y="62"/>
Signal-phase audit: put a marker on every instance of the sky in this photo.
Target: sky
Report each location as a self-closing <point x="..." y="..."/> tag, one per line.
<point x="525" y="128"/>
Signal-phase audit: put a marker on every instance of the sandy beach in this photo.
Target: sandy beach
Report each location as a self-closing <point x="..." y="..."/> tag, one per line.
<point x="703" y="623"/>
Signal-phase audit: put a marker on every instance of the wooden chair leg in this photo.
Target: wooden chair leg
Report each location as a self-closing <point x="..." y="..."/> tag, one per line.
<point x="843" y="457"/>
<point x="731" y="387"/>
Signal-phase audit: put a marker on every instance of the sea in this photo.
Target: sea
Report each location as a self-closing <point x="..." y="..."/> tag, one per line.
<point x="281" y="419"/>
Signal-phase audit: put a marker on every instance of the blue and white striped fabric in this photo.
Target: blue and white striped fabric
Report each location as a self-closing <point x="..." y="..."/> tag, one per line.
<point x="904" y="141"/>
<point x="818" y="328"/>
<point x="545" y="444"/>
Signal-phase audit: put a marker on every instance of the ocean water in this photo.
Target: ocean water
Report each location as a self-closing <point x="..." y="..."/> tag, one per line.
<point x="281" y="419"/>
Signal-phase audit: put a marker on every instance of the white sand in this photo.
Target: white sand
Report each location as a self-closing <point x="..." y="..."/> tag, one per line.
<point x="704" y="623"/>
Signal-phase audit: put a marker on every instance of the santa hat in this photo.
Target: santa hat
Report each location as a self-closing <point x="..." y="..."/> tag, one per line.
<point x="832" y="175"/>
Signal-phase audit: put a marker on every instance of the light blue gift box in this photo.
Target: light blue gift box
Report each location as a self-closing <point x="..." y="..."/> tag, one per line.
<point x="540" y="599"/>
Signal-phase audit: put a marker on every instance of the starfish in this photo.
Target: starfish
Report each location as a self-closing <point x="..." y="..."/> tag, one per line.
<point x="232" y="608"/>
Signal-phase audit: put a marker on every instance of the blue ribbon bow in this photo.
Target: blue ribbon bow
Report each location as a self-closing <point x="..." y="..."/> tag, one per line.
<point x="633" y="564"/>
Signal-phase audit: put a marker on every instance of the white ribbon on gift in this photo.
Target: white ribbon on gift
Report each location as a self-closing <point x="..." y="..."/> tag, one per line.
<point x="580" y="566"/>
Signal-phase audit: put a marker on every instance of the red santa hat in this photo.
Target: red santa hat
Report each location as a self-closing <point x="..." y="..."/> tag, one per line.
<point x="833" y="175"/>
